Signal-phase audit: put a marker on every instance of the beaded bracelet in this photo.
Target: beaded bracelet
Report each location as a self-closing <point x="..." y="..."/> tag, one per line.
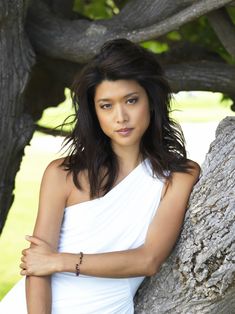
<point x="78" y="264"/>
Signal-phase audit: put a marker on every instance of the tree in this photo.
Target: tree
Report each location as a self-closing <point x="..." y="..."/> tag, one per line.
<point x="43" y="43"/>
<point x="199" y="276"/>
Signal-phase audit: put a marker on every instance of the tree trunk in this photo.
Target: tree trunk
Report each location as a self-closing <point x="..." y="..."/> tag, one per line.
<point x="16" y="128"/>
<point x="198" y="277"/>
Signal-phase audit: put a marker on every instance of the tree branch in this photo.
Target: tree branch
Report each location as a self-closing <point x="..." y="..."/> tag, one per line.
<point x="57" y="37"/>
<point x="152" y="12"/>
<point x="183" y="68"/>
<point x="224" y="29"/>
<point x="120" y="3"/>
<point x="193" y="74"/>
<point x="63" y="8"/>
<point x="174" y="22"/>
<point x="184" y="51"/>
<point x="79" y="40"/>
<point x="204" y="75"/>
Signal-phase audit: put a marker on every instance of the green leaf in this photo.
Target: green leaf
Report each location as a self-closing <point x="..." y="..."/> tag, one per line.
<point x="155" y="46"/>
<point x="102" y="9"/>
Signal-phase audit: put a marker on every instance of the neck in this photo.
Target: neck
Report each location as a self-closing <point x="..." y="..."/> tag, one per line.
<point x="128" y="159"/>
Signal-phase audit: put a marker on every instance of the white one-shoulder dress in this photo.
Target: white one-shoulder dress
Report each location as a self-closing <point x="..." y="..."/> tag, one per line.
<point x="117" y="221"/>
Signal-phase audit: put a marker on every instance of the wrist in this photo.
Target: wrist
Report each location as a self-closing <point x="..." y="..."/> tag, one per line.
<point x="66" y="262"/>
<point x="58" y="262"/>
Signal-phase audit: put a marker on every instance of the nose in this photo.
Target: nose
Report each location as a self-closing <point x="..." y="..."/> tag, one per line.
<point x="121" y="114"/>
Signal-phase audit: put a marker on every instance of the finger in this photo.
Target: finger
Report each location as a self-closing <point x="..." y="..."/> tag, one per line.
<point x="23" y="272"/>
<point x="22" y="259"/>
<point x="24" y="252"/>
<point x="23" y="266"/>
<point x="33" y="240"/>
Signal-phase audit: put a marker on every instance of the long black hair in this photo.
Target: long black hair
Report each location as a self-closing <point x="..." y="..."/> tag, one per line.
<point x="90" y="149"/>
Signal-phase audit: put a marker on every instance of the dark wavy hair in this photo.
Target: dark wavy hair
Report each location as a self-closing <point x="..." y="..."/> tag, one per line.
<point x="90" y="149"/>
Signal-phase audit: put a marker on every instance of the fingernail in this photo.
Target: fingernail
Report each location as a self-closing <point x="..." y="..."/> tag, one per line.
<point x="27" y="237"/>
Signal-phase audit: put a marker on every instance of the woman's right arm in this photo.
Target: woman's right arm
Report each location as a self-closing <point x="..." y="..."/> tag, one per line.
<point x="53" y="194"/>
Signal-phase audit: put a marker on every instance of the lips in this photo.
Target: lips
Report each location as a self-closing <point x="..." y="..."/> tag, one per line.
<point x="124" y="131"/>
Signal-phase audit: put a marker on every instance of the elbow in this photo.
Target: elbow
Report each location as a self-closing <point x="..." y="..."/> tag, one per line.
<point x="152" y="270"/>
<point x="152" y="266"/>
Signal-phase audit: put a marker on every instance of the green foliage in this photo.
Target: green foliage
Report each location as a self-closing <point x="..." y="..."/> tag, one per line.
<point x="102" y="9"/>
<point x="200" y="32"/>
<point x="231" y="12"/>
<point x="155" y="46"/>
<point x="197" y="32"/>
<point x="174" y="36"/>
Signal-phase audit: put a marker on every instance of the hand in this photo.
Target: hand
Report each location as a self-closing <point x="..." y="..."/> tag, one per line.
<point x="39" y="259"/>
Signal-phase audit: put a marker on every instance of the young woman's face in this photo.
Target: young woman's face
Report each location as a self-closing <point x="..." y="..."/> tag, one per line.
<point x="122" y="108"/>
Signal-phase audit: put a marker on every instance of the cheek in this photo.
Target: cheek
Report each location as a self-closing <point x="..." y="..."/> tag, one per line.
<point x="144" y="116"/>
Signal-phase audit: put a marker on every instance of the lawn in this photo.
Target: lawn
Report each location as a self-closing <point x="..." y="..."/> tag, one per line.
<point x="187" y="107"/>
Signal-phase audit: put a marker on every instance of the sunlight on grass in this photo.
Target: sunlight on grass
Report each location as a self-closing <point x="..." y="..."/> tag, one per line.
<point x="53" y="117"/>
<point x="187" y="107"/>
<point x="200" y="107"/>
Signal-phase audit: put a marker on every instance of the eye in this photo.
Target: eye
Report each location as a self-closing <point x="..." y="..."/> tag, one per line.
<point x="132" y="101"/>
<point x="106" y="106"/>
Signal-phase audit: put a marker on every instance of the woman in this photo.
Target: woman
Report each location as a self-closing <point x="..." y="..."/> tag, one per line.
<point x="110" y="213"/>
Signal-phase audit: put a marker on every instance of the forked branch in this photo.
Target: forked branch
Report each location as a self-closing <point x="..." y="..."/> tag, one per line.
<point x="79" y="40"/>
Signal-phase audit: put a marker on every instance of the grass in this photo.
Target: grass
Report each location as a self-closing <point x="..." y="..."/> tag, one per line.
<point x="193" y="107"/>
<point x="200" y="107"/>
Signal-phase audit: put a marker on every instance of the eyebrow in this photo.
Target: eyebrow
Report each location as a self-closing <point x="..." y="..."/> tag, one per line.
<point x="126" y="96"/>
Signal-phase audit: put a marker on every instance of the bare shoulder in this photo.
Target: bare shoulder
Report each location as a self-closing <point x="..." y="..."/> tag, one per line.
<point x="55" y="166"/>
<point x="178" y="189"/>
<point x="184" y="181"/>
<point x="194" y="167"/>
<point x="56" y="176"/>
<point x="194" y="170"/>
<point x="55" y="169"/>
<point x="181" y="181"/>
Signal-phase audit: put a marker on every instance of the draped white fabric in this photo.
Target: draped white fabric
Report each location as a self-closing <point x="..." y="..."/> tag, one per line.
<point x="117" y="221"/>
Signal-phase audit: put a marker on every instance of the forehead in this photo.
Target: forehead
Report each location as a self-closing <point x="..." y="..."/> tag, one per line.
<point x="119" y="88"/>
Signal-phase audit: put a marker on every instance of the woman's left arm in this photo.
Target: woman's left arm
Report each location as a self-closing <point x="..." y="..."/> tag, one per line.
<point x="145" y="260"/>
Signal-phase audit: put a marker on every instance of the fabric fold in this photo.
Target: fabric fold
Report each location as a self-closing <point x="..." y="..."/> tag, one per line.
<point x="117" y="221"/>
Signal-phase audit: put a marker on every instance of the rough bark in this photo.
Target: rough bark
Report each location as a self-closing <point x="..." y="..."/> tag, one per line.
<point x="224" y="29"/>
<point x="16" y="127"/>
<point x="204" y="75"/>
<point x="79" y="40"/>
<point x="199" y="276"/>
